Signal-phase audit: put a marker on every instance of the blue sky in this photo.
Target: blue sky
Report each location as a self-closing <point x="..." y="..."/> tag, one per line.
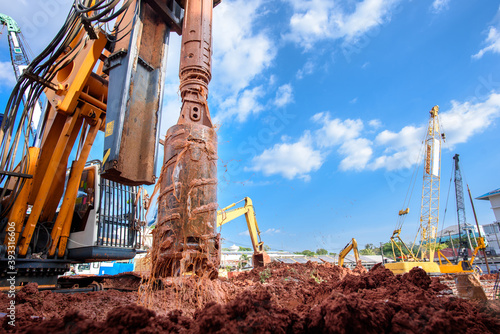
<point x="321" y="107"/>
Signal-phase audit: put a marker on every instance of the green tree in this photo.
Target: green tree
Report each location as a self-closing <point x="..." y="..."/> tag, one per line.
<point x="367" y="251"/>
<point x="244" y="249"/>
<point x="307" y="252"/>
<point x="387" y="249"/>
<point x="332" y="254"/>
<point x="243" y="261"/>
<point x="267" y="248"/>
<point x="321" y="251"/>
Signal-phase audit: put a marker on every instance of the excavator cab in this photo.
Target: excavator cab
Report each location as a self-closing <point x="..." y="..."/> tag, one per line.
<point x="107" y="218"/>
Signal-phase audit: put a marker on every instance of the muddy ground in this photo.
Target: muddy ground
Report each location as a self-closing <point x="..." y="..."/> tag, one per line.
<point x="298" y="298"/>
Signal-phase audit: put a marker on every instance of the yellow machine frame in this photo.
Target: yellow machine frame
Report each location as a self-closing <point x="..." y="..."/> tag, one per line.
<point x="463" y="266"/>
<point x="78" y="102"/>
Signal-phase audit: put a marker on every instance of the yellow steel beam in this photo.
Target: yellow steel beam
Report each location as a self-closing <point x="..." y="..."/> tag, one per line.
<point x="18" y="211"/>
<point x="41" y="197"/>
<point x="62" y="226"/>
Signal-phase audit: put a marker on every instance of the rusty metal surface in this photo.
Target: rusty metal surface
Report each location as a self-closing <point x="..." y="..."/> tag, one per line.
<point x="195" y="63"/>
<point x="170" y="11"/>
<point x="185" y="234"/>
<point x="136" y="77"/>
<point x="185" y="237"/>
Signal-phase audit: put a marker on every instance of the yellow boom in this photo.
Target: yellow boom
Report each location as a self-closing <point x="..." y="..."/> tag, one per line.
<point x="352" y="245"/>
<point x="225" y="215"/>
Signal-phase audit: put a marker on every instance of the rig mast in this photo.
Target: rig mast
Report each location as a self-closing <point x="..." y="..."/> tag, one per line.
<point x="429" y="214"/>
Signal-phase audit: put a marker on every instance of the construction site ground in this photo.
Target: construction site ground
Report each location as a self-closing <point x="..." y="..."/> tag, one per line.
<point x="296" y="298"/>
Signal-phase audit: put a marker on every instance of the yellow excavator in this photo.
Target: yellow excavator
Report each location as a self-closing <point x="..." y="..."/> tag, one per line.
<point x="352" y="245"/>
<point x="260" y="258"/>
<point x="464" y="266"/>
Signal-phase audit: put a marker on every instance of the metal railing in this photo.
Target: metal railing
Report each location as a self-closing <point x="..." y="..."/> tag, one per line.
<point x="120" y="215"/>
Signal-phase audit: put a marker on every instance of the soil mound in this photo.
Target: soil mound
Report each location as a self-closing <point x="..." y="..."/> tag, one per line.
<point x="298" y="298"/>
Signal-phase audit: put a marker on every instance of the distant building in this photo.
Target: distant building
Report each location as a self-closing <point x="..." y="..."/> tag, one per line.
<point x="494" y="198"/>
<point x="232" y="257"/>
<point x="492" y="235"/>
<point x="492" y="230"/>
<point x="452" y="231"/>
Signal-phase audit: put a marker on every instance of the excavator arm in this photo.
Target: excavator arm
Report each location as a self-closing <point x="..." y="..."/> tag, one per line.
<point x="225" y="215"/>
<point x="481" y="245"/>
<point x="352" y="245"/>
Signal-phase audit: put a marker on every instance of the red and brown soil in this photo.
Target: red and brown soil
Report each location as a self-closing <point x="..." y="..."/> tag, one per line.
<point x="297" y="298"/>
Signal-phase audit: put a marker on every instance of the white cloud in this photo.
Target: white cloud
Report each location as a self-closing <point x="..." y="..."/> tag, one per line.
<point x="466" y="119"/>
<point x="7" y="77"/>
<point x="272" y="79"/>
<point x="400" y="149"/>
<point x="375" y="123"/>
<point x="245" y="233"/>
<point x="39" y="20"/>
<point x="241" y="105"/>
<point x="171" y="104"/>
<point x="439" y="5"/>
<point x="368" y="14"/>
<point x="316" y="20"/>
<point x="388" y="150"/>
<point x="283" y="96"/>
<point x="289" y="160"/>
<point x="335" y="131"/>
<point x="403" y="149"/>
<point x="493" y="43"/>
<point x="271" y="231"/>
<point x="239" y="54"/>
<point x="402" y="139"/>
<point x="358" y="152"/>
<point x="307" y="69"/>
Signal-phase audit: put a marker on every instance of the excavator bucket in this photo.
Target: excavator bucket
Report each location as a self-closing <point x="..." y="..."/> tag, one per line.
<point x="260" y="260"/>
<point x="469" y="286"/>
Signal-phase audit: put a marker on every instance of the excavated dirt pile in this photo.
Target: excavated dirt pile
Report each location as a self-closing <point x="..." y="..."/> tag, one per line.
<point x="310" y="298"/>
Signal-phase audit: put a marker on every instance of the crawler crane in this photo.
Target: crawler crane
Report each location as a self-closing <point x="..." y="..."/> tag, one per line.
<point x="429" y="213"/>
<point x="464" y="265"/>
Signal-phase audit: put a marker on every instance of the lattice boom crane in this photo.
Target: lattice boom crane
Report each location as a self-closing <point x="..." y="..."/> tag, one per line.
<point x="429" y="214"/>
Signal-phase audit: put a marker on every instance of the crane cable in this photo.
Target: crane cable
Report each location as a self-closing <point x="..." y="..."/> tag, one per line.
<point x="413" y="180"/>
<point x="468" y="228"/>
<point x="447" y="196"/>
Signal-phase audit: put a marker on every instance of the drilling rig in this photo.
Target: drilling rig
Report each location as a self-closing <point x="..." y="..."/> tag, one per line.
<point x="54" y="212"/>
<point x="429" y="213"/>
<point x="464" y="265"/>
<point x="185" y="238"/>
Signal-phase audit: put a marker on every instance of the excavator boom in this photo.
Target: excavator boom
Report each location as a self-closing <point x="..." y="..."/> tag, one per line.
<point x="352" y="245"/>
<point x="260" y="257"/>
